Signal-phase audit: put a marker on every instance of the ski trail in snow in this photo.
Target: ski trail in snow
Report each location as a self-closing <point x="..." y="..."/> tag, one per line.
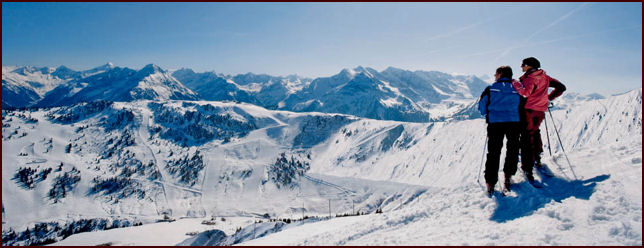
<point x="203" y="186"/>
<point x="320" y="181"/>
<point x="144" y="120"/>
<point x="376" y="135"/>
<point x="143" y="130"/>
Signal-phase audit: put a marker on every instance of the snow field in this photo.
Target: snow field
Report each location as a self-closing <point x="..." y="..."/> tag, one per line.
<point x="422" y="175"/>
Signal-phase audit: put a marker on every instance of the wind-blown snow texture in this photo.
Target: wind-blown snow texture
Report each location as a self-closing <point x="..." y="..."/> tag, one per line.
<point x="101" y="165"/>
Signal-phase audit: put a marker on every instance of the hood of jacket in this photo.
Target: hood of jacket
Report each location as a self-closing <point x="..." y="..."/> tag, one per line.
<point x="533" y="73"/>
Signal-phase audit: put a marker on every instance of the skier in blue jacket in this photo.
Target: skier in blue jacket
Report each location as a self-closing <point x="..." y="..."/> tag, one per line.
<point x="500" y="105"/>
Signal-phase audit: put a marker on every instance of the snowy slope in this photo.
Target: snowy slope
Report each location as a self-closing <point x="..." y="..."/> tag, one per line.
<point x="41" y="80"/>
<point x="147" y="158"/>
<point x="601" y="207"/>
<point x="23" y="86"/>
<point x="203" y="159"/>
<point x="395" y="148"/>
<point x="393" y="94"/>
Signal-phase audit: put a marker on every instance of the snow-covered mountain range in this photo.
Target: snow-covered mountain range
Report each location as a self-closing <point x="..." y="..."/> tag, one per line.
<point x="106" y="164"/>
<point x="392" y="94"/>
<point x="45" y="87"/>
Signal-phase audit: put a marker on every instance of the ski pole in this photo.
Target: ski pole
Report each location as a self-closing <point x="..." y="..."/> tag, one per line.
<point x="550" y="151"/>
<point x="560" y="143"/>
<point x="548" y="136"/>
<point x="478" y="178"/>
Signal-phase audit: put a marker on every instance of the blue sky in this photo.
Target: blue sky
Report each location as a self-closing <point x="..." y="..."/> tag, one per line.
<point x="591" y="47"/>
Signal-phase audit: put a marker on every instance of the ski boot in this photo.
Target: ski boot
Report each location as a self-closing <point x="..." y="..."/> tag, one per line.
<point x="529" y="176"/>
<point x="537" y="162"/>
<point x="508" y="183"/>
<point x="490" y="189"/>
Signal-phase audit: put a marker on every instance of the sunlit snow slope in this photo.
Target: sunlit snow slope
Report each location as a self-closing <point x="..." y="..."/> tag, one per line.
<point x="145" y="159"/>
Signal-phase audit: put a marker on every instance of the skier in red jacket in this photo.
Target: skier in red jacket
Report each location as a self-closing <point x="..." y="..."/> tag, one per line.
<point x="534" y="87"/>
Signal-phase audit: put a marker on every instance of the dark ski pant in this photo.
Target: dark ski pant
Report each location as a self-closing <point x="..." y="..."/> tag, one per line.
<point x="495" y="133"/>
<point x="531" y="144"/>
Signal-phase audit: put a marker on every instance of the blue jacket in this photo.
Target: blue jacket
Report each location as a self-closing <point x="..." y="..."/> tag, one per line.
<point x="500" y="102"/>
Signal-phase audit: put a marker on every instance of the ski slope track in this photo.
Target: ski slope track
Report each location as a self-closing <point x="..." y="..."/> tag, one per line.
<point x="179" y="172"/>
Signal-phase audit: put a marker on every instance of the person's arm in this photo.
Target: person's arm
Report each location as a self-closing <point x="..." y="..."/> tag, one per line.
<point x="559" y="88"/>
<point x="524" y="88"/>
<point x="484" y="101"/>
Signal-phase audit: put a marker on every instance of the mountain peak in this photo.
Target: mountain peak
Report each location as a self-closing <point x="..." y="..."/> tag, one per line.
<point x="62" y="67"/>
<point x="64" y="72"/>
<point x="392" y="69"/>
<point x="47" y="70"/>
<point x="25" y="70"/>
<point x="104" y="67"/>
<point x="107" y="66"/>
<point x="369" y="72"/>
<point x="186" y="70"/>
<point x="348" y="72"/>
<point x="151" y="68"/>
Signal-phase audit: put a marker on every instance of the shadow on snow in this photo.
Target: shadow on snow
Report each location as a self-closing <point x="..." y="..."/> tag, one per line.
<point x="530" y="199"/>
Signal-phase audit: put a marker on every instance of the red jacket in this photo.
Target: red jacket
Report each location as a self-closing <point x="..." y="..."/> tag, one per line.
<point x="534" y="86"/>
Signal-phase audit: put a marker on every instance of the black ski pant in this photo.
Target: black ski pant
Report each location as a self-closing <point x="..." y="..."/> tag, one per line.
<point x="531" y="144"/>
<point x="495" y="133"/>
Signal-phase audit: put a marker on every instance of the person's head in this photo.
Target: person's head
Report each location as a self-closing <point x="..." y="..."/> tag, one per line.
<point x="503" y="72"/>
<point x="529" y="63"/>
